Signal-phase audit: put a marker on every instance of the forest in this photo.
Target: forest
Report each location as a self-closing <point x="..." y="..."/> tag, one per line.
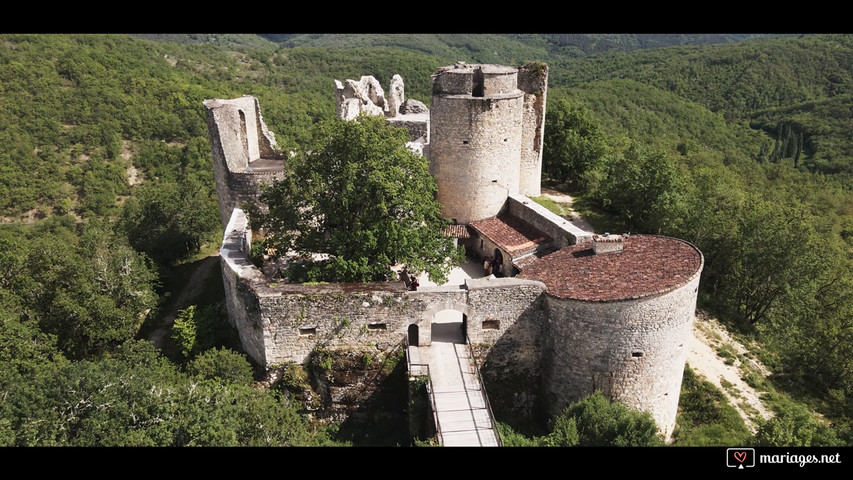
<point x="738" y="144"/>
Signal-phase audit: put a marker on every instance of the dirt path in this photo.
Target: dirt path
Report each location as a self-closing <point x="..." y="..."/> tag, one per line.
<point x="184" y="298"/>
<point x="565" y="200"/>
<point x="708" y="337"/>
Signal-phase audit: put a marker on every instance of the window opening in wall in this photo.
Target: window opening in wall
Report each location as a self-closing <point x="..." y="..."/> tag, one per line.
<point x="491" y="325"/>
<point x="377" y="326"/>
<point x="243" y="137"/>
<point x="464" y="142"/>
<point x="478" y="89"/>
<point x="307" y="331"/>
<point x="637" y="354"/>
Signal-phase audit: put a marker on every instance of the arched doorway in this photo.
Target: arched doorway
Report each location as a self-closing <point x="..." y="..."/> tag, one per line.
<point x="413" y="335"/>
<point x="449" y="326"/>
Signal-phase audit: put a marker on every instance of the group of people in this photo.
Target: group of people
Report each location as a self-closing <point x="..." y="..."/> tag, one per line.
<point x="492" y="266"/>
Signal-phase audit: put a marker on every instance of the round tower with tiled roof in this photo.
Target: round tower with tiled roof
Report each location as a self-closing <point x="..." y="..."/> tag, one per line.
<point x="620" y="320"/>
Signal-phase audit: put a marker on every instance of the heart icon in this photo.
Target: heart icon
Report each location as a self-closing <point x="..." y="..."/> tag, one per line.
<point x="740" y="456"/>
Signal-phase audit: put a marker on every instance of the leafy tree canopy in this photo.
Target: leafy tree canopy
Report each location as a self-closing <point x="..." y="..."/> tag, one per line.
<point x="361" y="198"/>
<point x="573" y="143"/>
<point x="595" y="421"/>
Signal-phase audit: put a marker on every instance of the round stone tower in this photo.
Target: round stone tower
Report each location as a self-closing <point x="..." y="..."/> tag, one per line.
<point x="621" y="314"/>
<point x="476" y="122"/>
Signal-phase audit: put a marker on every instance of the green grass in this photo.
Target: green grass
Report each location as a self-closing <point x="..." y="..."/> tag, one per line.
<point x="705" y="416"/>
<point x="552" y="205"/>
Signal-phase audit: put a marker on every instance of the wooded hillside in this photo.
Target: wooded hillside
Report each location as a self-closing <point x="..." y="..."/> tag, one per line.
<point x="742" y="147"/>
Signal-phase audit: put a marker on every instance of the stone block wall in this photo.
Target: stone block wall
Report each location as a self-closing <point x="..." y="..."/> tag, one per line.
<point x="238" y="137"/>
<point x="509" y="342"/>
<point x="240" y="277"/>
<point x="562" y="231"/>
<point x="632" y="350"/>
<point x="475" y="153"/>
<point x="416" y="124"/>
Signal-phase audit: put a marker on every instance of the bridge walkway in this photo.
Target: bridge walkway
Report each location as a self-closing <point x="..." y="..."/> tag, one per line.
<point x="462" y="413"/>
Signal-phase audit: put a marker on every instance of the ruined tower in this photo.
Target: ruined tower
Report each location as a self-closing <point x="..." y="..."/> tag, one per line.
<point x="244" y="151"/>
<point x="486" y="136"/>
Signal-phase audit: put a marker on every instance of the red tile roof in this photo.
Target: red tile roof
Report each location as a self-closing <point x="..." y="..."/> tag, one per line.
<point x="456" y="230"/>
<point x="511" y="234"/>
<point x="648" y="265"/>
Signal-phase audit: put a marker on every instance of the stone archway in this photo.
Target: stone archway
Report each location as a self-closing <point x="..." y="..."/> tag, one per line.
<point x="447" y="322"/>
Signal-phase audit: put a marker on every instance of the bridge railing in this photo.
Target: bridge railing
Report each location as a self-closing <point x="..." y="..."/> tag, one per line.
<point x="423" y="370"/>
<point x="485" y="393"/>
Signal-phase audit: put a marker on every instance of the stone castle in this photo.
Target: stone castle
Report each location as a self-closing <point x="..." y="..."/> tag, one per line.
<point x="575" y="313"/>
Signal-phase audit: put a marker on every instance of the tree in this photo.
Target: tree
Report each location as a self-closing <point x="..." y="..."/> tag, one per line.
<point x="770" y="260"/>
<point x="646" y="188"/>
<point x="170" y="220"/>
<point x="92" y="292"/>
<point x="194" y="330"/>
<point x="362" y="200"/>
<point x="595" y="421"/>
<point x="795" y="426"/>
<point x="573" y="143"/>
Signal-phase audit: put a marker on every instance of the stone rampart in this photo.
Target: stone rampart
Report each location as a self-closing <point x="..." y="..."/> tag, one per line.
<point x="562" y="231"/>
<point x="283" y="323"/>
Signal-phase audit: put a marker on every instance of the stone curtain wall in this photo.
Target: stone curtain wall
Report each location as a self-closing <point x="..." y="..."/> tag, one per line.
<point x="507" y="335"/>
<point x="632" y="350"/>
<point x="284" y="323"/>
<point x="332" y="316"/>
<point x="562" y="231"/>
<point x="239" y="276"/>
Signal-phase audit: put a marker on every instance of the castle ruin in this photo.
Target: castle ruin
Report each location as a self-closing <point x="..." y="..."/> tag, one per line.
<point x="575" y="313"/>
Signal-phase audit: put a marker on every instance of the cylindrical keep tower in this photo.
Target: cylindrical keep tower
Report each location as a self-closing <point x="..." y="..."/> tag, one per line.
<point x="620" y="322"/>
<point x="476" y="134"/>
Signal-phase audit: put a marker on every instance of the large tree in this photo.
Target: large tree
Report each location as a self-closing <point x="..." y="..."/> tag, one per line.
<point x="363" y="201"/>
<point x="574" y="143"/>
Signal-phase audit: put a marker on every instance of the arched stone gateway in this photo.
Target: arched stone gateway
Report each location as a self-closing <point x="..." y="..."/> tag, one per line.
<point x="444" y="323"/>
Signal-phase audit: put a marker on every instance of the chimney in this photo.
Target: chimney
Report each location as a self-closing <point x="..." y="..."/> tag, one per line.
<point x="608" y="243"/>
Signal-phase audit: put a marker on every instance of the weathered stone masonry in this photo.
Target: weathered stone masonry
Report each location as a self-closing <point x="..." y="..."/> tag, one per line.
<point x="281" y="323"/>
<point x="576" y="322"/>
